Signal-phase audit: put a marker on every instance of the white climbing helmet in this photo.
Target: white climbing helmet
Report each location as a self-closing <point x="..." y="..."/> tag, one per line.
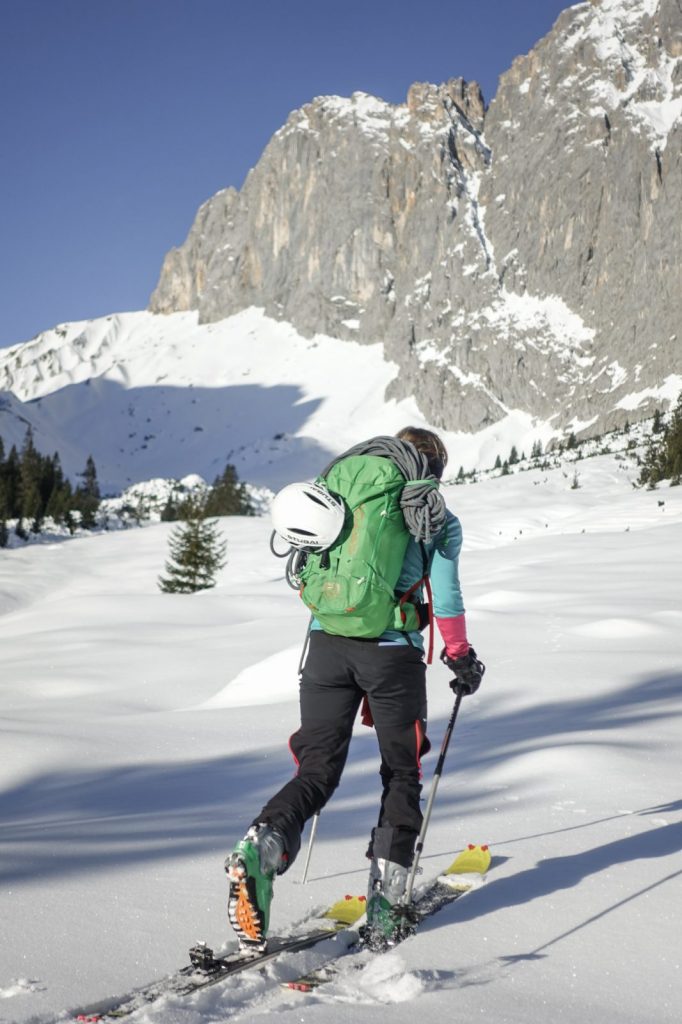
<point x="307" y="516"/>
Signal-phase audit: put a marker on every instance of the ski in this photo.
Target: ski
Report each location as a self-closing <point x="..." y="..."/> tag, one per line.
<point x="464" y="874"/>
<point x="206" y="969"/>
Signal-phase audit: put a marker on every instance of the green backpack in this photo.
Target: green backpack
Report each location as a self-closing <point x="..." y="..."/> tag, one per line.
<point x="350" y="587"/>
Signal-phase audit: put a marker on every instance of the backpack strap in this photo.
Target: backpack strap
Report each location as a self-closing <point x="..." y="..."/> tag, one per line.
<point x="427" y="585"/>
<point x="429" y="598"/>
<point x="426" y="582"/>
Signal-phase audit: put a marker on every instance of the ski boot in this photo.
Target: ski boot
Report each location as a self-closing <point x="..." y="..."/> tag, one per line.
<point x="388" y="920"/>
<point x="251" y="867"/>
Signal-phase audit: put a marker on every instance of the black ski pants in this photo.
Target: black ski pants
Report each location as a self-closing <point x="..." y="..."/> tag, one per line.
<point x="338" y="673"/>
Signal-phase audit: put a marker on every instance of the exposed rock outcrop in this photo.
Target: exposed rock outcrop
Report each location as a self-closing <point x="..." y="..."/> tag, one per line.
<point x="521" y="257"/>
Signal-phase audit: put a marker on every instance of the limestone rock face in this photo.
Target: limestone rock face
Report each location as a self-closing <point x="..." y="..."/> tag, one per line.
<point x="526" y="256"/>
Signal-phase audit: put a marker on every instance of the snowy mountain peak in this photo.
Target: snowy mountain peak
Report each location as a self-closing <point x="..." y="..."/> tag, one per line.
<point x="514" y="258"/>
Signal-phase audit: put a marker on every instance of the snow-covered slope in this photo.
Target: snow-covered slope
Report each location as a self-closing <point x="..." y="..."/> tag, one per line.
<point x="142" y="731"/>
<point x="163" y="396"/>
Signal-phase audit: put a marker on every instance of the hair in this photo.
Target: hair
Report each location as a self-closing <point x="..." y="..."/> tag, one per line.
<point x="429" y="444"/>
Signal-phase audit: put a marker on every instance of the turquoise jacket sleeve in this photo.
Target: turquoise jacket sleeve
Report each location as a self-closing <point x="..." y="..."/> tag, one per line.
<point x="447" y="592"/>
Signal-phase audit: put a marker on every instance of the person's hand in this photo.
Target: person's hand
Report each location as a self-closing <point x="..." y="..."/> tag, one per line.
<point x="467" y="671"/>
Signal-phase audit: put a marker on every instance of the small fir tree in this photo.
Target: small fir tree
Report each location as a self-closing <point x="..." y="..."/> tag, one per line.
<point x="169" y="512"/>
<point x="228" y="497"/>
<point x="61" y="493"/>
<point x="11" y="479"/>
<point x="197" y="553"/>
<point x="5" y="497"/>
<point x="29" y="482"/>
<point x="87" y="497"/>
<point x="663" y="457"/>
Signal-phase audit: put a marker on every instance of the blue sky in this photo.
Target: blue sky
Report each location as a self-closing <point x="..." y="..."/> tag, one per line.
<point x="119" y="117"/>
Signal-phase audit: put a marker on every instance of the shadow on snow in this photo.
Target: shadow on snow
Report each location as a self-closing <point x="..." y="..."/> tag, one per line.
<point x="171" y="431"/>
<point x="84" y="820"/>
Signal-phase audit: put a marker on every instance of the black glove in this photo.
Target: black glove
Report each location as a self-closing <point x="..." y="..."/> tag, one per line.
<point x="468" y="671"/>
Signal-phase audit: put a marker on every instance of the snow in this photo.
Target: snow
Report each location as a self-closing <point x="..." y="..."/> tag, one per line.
<point x="166" y="396"/>
<point x="650" y="96"/>
<point x="163" y="396"/>
<point x="660" y="116"/>
<point x="668" y="390"/>
<point x="373" y="116"/>
<point x="142" y="731"/>
<point x="544" y="323"/>
<point x="547" y="314"/>
<point x="617" y="373"/>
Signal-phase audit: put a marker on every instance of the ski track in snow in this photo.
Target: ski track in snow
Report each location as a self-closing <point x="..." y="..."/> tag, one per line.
<point x="142" y="732"/>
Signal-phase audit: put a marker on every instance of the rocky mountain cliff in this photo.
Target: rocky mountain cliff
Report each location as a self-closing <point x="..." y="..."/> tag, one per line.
<point x="520" y="257"/>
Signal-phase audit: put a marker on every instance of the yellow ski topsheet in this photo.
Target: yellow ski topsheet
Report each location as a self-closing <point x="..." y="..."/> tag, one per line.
<point x="473" y="860"/>
<point x="348" y="910"/>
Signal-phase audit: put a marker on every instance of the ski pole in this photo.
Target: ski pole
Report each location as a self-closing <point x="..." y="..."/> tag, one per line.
<point x="316" y="817"/>
<point x="407" y="898"/>
<point x="306" y="644"/>
<point x="313" y="830"/>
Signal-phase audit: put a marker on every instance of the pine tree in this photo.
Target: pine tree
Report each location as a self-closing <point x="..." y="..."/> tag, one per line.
<point x="228" y="497"/>
<point x="11" y="473"/>
<point x="197" y="553"/>
<point x="60" y="494"/>
<point x="29" y="483"/>
<point x="513" y="456"/>
<point x="170" y="511"/>
<point x="4" y="534"/>
<point x="4" y="487"/>
<point x="87" y="497"/>
<point x="89" y="475"/>
<point x="498" y="463"/>
<point x="663" y="458"/>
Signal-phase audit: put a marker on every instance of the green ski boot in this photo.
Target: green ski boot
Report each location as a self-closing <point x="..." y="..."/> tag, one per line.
<point x="388" y="920"/>
<point x="251" y="868"/>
